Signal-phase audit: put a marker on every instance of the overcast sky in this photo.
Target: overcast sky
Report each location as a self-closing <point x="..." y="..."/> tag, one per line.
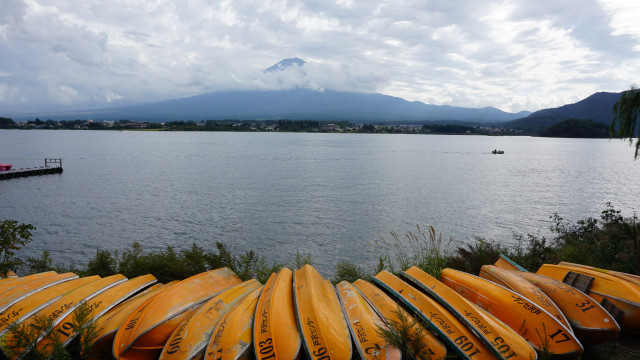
<point x="513" y="55"/>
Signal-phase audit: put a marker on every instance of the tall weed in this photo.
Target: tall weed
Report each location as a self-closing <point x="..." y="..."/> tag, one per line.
<point x="425" y="251"/>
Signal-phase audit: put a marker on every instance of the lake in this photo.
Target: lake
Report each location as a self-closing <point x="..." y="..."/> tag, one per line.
<point x="328" y="195"/>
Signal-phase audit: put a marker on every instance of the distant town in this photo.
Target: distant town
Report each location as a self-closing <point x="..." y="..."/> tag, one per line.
<point x="264" y="126"/>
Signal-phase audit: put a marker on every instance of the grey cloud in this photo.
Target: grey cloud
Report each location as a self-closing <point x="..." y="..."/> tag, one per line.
<point x="62" y="54"/>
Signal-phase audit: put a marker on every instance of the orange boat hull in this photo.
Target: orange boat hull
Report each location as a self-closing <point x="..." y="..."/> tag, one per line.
<point x="231" y="338"/>
<point x="390" y="311"/>
<point x="18" y="293"/>
<point x="541" y="329"/>
<point x="320" y="319"/>
<point x="523" y="287"/>
<point x="59" y="309"/>
<point x="275" y="331"/>
<point x="189" y="340"/>
<point x="149" y="327"/>
<point x="497" y="336"/>
<point x="364" y="324"/>
<point x="32" y="304"/>
<point x="441" y="321"/>
<point x="623" y="294"/>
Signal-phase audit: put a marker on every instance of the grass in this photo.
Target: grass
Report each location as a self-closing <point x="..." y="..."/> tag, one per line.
<point x="610" y="241"/>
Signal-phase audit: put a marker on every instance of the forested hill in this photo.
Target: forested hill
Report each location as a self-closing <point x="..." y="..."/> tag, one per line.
<point x="596" y="107"/>
<point x="577" y="128"/>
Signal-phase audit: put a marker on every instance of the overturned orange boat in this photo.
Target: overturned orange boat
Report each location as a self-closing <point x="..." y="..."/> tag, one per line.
<point x="591" y="323"/>
<point x="620" y="297"/>
<point x="144" y="333"/>
<point x="320" y="319"/>
<point x="541" y="329"/>
<point x="189" y="340"/>
<point x="364" y="324"/>
<point x="392" y="313"/>
<point x="275" y="331"/>
<point x="502" y="340"/>
<point x="448" y="328"/>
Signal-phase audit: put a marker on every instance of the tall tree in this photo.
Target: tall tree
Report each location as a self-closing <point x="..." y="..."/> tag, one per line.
<point x="12" y="237"/>
<point x="625" y="122"/>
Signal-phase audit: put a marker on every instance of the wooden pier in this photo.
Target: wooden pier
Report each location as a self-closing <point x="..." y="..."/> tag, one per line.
<point x="43" y="170"/>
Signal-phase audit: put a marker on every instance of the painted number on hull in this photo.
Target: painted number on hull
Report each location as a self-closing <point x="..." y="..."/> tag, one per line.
<point x="466" y="346"/>
<point x="67" y="329"/>
<point x="498" y="344"/>
<point x="563" y="337"/>
<point x="266" y="349"/>
<point x="174" y="345"/>
<point x="585" y="303"/>
<point x="320" y="354"/>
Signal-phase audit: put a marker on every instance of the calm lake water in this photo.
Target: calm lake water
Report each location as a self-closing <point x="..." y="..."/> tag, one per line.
<point x="328" y="195"/>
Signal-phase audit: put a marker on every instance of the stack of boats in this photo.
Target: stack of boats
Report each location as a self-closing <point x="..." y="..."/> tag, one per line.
<point x="504" y="313"/>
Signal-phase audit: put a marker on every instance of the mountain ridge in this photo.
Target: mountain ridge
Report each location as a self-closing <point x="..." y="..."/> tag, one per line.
<point x="295" y="104"/>
<point x="596" y="107"/>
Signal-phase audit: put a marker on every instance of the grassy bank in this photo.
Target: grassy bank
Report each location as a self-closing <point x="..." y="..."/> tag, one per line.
<point x="610" y="242"/>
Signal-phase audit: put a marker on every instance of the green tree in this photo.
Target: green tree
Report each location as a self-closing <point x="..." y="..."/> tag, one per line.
<point x="625" y="117"/>
<point x="12" y="237"/>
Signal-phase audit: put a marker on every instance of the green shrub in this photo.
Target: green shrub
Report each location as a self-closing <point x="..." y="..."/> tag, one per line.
<point x="347" y="271"/>
<point x="103" y="264"/>
<point x="300" y="260"/>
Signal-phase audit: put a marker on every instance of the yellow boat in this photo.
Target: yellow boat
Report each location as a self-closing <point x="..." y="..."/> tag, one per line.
<point x="190" y="338"/>
<point x="506" y="263"/>
<point x="590" y="322"/>
<point x="523" y="287"/>
<point x="502" y="340"/>
<point x="621" y="298"/>
<point x="541" y="329"/>
<point x="448" y="328"/>
<point x="31" y="304"/>
<point x="231" y="338"/>
<point x="13" y="282"/>
<point x="18" y="293"/>
<point x="59" y="309"/>
<point x="622" y="275"/>
<point x="107" y="325"/>
<point x="320" y="319"/>
<point x="274" y="329"/>
<point x="99" y="305"/>
<point x="144" y="333"/>
<point x="9" y="274"/>
<point x="390" y="312"/>
<point x="364" y="324"/>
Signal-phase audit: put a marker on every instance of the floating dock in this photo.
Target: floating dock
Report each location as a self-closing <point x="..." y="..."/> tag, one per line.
<point x="43" y="170"/>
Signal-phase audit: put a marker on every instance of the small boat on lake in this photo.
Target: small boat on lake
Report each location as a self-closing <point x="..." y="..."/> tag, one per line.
<point x="495" y="151"/>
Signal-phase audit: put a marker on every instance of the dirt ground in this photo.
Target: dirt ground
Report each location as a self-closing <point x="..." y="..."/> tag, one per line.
<point x="626" y="347"/>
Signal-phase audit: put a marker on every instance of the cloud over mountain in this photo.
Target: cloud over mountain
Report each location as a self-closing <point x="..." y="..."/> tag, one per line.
<point x="513" y="55"/>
